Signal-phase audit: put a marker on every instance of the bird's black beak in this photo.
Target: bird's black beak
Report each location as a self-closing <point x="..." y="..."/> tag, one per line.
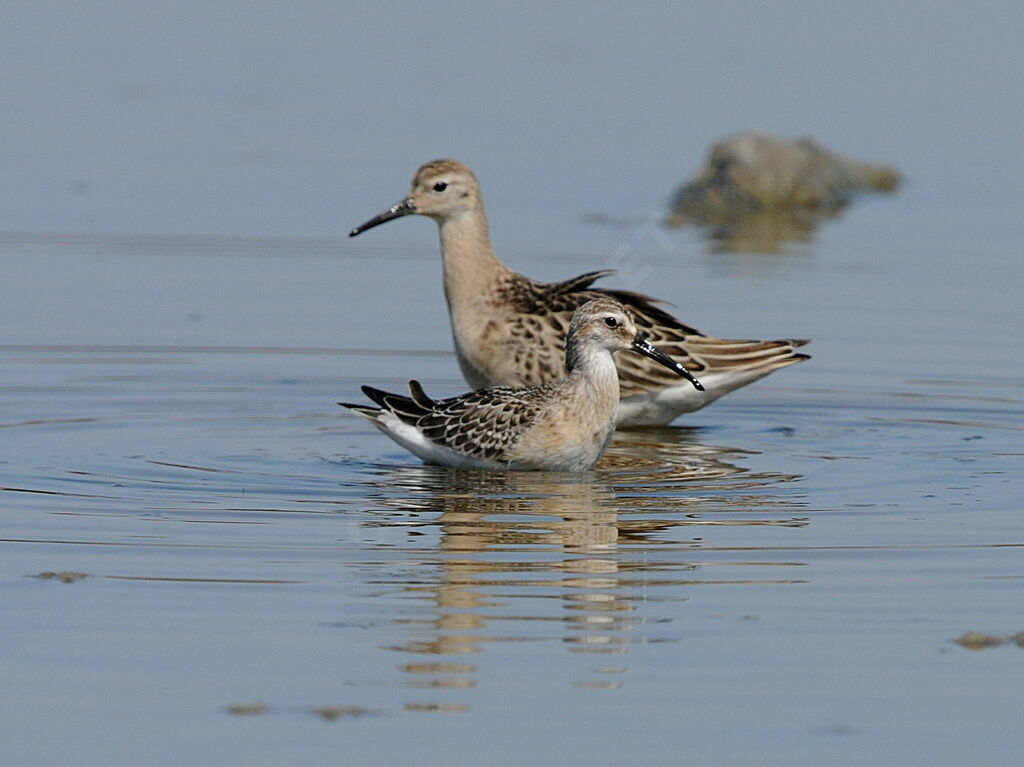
<point x="403" y="208"/>
<point x="642" y="346"/>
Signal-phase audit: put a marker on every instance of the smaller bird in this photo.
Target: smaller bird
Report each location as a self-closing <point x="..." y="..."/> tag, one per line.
<point x="564" y="425"/>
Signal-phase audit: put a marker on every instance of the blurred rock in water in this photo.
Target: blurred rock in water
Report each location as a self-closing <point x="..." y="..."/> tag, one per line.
<point x="757" y="190"/>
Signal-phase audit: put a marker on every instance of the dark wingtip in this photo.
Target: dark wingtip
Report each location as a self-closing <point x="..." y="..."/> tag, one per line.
<point x="359" y="408"/>
<point x="354" y="232"/>
<point x="377" y="395"/>
<point x="419" y="396"/>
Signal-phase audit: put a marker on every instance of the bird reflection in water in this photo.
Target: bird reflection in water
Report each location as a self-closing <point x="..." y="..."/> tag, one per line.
<point x="580" y="559"/>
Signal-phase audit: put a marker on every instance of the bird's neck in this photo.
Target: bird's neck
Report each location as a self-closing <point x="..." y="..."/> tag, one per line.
<point x="593" y="369"/>
<point x="471" y="268"/>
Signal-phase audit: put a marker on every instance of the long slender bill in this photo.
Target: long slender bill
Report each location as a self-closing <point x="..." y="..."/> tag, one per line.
<point x="642" y="346"/>
<point x="399" y="209"/>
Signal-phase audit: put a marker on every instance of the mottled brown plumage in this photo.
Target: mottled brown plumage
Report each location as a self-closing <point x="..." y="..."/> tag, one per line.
<point x="563" y="425"/>
<point x="481" y="424"/>
<point x="510" y="330"/>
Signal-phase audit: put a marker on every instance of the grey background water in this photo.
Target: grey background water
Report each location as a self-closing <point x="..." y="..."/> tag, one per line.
<point x="779" y="578"/>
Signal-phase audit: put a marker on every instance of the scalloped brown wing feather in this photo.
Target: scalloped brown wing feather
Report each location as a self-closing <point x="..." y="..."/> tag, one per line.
<point x="554" y="303"/>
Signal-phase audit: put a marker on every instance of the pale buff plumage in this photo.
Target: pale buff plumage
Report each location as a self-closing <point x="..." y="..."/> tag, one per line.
<point x="510" y="330"/>
<point x="564" y="425"/>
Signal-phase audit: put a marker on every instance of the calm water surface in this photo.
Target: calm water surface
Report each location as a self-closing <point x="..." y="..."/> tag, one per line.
<point x="787" y="570"/>
<point x="205" y="559"/>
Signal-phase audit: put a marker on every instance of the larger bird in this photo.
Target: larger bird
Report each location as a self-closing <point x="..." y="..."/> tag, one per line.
<point x="510" y="330"/>
<point x="560" y="426"/>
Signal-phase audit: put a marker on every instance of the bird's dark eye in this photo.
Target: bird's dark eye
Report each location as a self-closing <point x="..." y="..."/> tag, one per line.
<point x="611" y="322"/>
<point x="440" y="186"/>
